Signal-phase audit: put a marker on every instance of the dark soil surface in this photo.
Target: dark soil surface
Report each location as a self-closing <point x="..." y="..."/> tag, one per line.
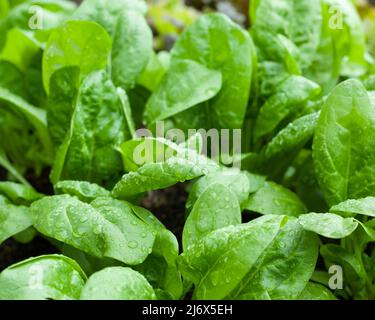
<point x="168" y="206"/>
<point x="12" y="251"/>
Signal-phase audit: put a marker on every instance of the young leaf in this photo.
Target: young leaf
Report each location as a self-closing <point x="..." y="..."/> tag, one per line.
<point x="83" y="190"/>
<point x="328" y="225"/>
<point x="216" y="207"/>
<point x="19" y="193"/>
<point x="46" y="277"/>
<point x="106" y="12"/>
<point x="106" y="228"/>
<point x="344" y="144"/>
<point x="13" y="219"/>
<point x="64" y="86"/>
<point x="178" y="90"/>
<point x="117" y="283"/>
<point x="83" y="44"/>
<point x="98" y="125"/>
<point x="275" y="199"/>
<point x="159" y="175"/>
<point x="273" y="258"/>
<point x="132" y="48"/>
<point x="315" y="291"/>
<point x="289" y="97"/>
<point x="239" y="183"/>
<point x="364" y="206"/>
<point x="201" y="42"/>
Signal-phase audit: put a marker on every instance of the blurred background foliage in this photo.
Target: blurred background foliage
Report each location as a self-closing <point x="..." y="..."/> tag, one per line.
<point x="169" y="18"/>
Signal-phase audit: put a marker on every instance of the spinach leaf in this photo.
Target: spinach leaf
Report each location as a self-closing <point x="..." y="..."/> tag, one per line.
<point x="178" y="91"/>
<point x="289" y="97"/>
<point x="64" y="86"/>
<point x="13" y="219"/>
<point x="364" y="206"/>
<point x="132" y="48"/>
<point x="210" y="34"/>
<point x="106" y="12"/>
<point x="275" y="199"/>
<point x="315" y="291"/>
<point x="159" y="175"/>
<point x="117" y="283"/>
<point x="46" y="277"/>
<point x="239" y="183"/>
<point x="98" y="125"/>
<point x="217" y="207"/>
<point x="18" y="193"/>
<point x="83" y="44"/>
<point x="83" y="190"/>
<point x="343" y="148"/>
<point x="104" y="228"/>
<point x="255" y="250"/>
<point x="328" y="225"/>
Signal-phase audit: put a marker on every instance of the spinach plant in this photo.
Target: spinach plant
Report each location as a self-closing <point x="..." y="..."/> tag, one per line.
<point x="268" y="221"/>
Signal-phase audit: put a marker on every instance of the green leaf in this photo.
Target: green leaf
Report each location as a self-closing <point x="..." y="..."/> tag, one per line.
<point x="98" y="125"/>
<point x="364" y="206"/>
<point x="288" y="99"/>
<point x="106" y="228"/>
<point x="20" y="49"/>
<point x="117" y="283"/>
<point x="156" y="68"/>
<point x="35" y="116"/>
<point x="4" y="162"/>
<point x="273" y="258"/>
<point x="83" y="44"/>
<point x="298" y="20"/>
<point x="288" y="142"/>
<point x="154" y="176"/>
<point x="83" y="190"/>
<point x="46" y="277"/>
<point x="106" y="12"/>
<point x="328" y="225"/>
<point x="19" y="193"/>
<point x="344" y="144"/>
<point x="219" y="44"/>
<point x="178" y="91"/>
<point x="216" y="207"/>
<point x="275" y="199"/>
<point x="132" y="48"/>
<point x="64" y="86"/>
<point x="355" y="276"/>
<point x="239" y="183"/>
<point x="13" y="219"/>
<point x="314" y="291"/>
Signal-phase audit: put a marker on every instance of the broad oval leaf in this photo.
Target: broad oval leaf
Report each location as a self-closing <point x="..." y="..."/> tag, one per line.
<point x="132" y="48"/>
<point x="117" y="283"/>
<point x="275" y="199"/>
<point x="76" y="43"/>
<point x="315" y="291"/>
<point x="46" y="277"/>
<point x="216" y="207"/>
<point x="217" y="43"/>
<point x="273" y="258"/>
<point x="328" y="225"/>
<point x="106" y="228"/>
<point x="153" y="176"/>
<point x="83" y="190"/>
<point x="364" y="206"/>
<point x="178" y="91"/>
<point x="344" y="144"/>
<point x="238" y="182"/>
<point x="13" y="219"/>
